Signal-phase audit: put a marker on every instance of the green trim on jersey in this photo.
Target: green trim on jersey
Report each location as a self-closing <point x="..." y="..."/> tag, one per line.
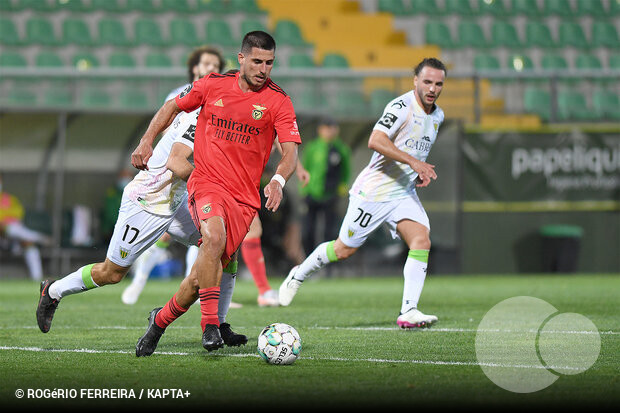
<point x="419" y="255"/>
<point x="87" y="277"/>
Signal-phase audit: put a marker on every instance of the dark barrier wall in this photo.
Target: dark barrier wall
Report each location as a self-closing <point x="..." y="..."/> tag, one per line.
<point x="517" y="185"/>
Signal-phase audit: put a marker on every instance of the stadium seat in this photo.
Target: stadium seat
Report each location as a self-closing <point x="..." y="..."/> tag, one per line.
<point x="144" y="6"/>
<point x="459" y="8"/>
<point x="350" y="103"/>
<point x="471" y="35"/>
<point x="587" y="61"/>
<point x="76" y="31"/>
<point x="335" y="61"/>
<point x="73" y="6"/>
<point x="10" y="6"/>
<point x="58" y="97"/>
<point x="94" y="97"/>
<point x="526" y="8"/>
<point x="310" y="99"/>
<point x="9" y="35"/>
<point x="614" y="8"/>
<point x="246" y="7"/>
<point x="112" y="32"/>
<point x="215" y="6"/>
<point x="427" y="7"/>
<point x="183" y="32"/>
<point x="537" y="34"/>
<point x="614" y="61"/>
<point x="12" y="59"/>
<point x="592" y="8"/>
<point x="300" y="61"/>
<point x="121" y="59"/>
<point x="438" y="33"/>
<point x="154" y="59"/>
<point x="252" y="24"/>
<point x="504" y="34"/>
<point x="109" y="6"/>
<point x="147" y="31"/>
<point x="84" y="60"/>
<point x="47" y="58"/>
<point x="519" y="62"/>
<point x="572" y="105"/>
<point x="20" y="96"/>
<point x="560" y="8"/>
<point x="395" y="7"/>
<point x="287" y="32"/>
<point x="39" y="30"/>
<point x="492" y="7"/>
<point x="379" y="98"/>
<point x="571" y="35"/>
<point x="606" y="104"/>
<point x="132" y="98"/>
<point x="604" y="34"/>
<point x="537" y="101"/>
<point x="486" y="62"/>
<point x="177" y="6"/>
<point x="220" y="33"/>
<point x="38" y="5"/>
<point x="553" y="62"/>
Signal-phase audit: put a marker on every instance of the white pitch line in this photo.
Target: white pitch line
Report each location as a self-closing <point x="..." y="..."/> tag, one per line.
<point x="348" y="360"/>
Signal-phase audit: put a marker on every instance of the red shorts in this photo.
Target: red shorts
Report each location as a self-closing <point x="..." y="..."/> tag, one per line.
<point x="205" y="202"/>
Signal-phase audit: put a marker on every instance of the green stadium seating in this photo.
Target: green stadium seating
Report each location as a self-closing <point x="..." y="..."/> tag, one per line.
<point x="379" y="98"/>
<point x="47" y="58"/>
<point x="215" y="6"/>
<point x="557" y="8"/>
<point x="58" y="97"/>
<point x="395" y="7"/>
<point x="614" y="8"/>
<point x="300" y="61"/>
<point x="177" y="6"/>
<point x="246" y="7"/>
<point x="459" y="8"/>
<point x="571" y="35"/>
<point x="74" y="6"/>
<point x="84" y="60"/>
<point x="504" y="34"/>
<point x="492" y="7"/>
<point x="471" y="35"/>
<point x="148" y="32"/>
<point x="587" y="61"/>
<point x="144" y="6"/>
<point x="12" y="59"/>
<point x="350" y="103"/>
<point x="606" y="104"/>
<point x="427" y="7"/>
<point x="526" y="7"/>
<point x="155" y="59"/>
<point x="76" y="31"/>
<point x="572" y="106"/>
<point x="310" y="99"/>
<point x="109" y="6"/>
<point x="592" y="8"/>
<point x="614" y="61"/>
<point x="10" y="6"/>
<point x="112" y="32"/>
<point x="132" y="98"/>
<point x="438" y="33"/>
<point x="335" y="61"/>
<point x="519" y="62"/>
<point x="220" y="33"/>
<point x="287" y="32"/>
<point x="553" y="62"/>
<point x="9" y="35"/>
<point x="183" y="32"/>
<point x="94" y="97"/>
<point x="538" y="34"/>
<point x="537" y="101"/>
<point x="38" y="5"/>
<point x="604" y="34"/>
<point x="39" y="30"/>
<point x="121" y="59"/>
<point x="252" y="24"/>
<point x="486" y="62"/>
<point x="20" y="96"/>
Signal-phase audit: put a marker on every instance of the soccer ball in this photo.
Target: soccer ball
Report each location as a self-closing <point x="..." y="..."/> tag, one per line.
<point x="279" y="343"/>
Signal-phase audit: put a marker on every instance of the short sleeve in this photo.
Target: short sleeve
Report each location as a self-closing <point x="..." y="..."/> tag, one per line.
<point x="285" y="123"/>
<point x="394" y="115"/>
<point x="186" y="128"/>
<point x="192" y="97"/>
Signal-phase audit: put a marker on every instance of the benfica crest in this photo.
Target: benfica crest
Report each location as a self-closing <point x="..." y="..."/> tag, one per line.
<point x="257" y="113"/>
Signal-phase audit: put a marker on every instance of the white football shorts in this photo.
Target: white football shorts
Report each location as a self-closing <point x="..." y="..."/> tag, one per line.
<point x="364" y="217"/>
<point x="136" y="230"/>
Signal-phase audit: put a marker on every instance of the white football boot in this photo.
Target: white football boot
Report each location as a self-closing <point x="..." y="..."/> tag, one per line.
<point x="289" y="288"/>
<point x="414" y="318"/>
<point x="268" y="299"/>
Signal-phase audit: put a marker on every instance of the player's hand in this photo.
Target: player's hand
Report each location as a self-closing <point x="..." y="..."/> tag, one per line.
<point x="141" y="156"/>
<point x="425" y="171"/>
<point x="273" y="192"/>
<point x="303" y="175"/>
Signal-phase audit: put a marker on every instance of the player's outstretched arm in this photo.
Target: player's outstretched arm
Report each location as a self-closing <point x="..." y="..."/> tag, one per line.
<point x="286" y="167"/>
<point x="178" y="161"/>
<point x="381" y="143"/>
<point x="162" y="119"/>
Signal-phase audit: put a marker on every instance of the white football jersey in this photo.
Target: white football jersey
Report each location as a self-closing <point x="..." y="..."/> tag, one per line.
<point x="412" y="131"/>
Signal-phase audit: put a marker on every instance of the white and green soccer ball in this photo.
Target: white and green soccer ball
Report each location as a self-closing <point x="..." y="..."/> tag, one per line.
<point x="279" y="343"/>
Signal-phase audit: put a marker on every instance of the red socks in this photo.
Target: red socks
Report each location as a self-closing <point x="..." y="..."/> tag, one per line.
<point x="252" y="253"/>
<point x="209" y="299"/>
<point x="169" y="313"/>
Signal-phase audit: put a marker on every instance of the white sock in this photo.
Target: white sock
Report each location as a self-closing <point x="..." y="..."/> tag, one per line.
<point x="415" y="274"/>
<point x="76" y="282"/>
<point x="227" y="287"/>
<point x="146" y="262"/>
<point x="319" y="258"/>
<point x="33" y="262"/>
<point x="190" y="258"/>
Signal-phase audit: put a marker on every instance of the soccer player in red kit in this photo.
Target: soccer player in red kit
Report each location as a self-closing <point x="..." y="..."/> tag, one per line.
<point x="241" y="115"/>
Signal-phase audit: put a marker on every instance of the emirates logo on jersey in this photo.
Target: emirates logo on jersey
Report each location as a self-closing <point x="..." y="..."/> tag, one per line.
<point x="257" y="113"/>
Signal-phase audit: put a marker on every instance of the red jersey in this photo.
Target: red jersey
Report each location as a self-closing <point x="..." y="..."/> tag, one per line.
<point x="235" y="132"/>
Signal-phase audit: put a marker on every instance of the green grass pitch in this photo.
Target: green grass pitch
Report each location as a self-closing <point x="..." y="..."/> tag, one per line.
<point x="353" y="355"/>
